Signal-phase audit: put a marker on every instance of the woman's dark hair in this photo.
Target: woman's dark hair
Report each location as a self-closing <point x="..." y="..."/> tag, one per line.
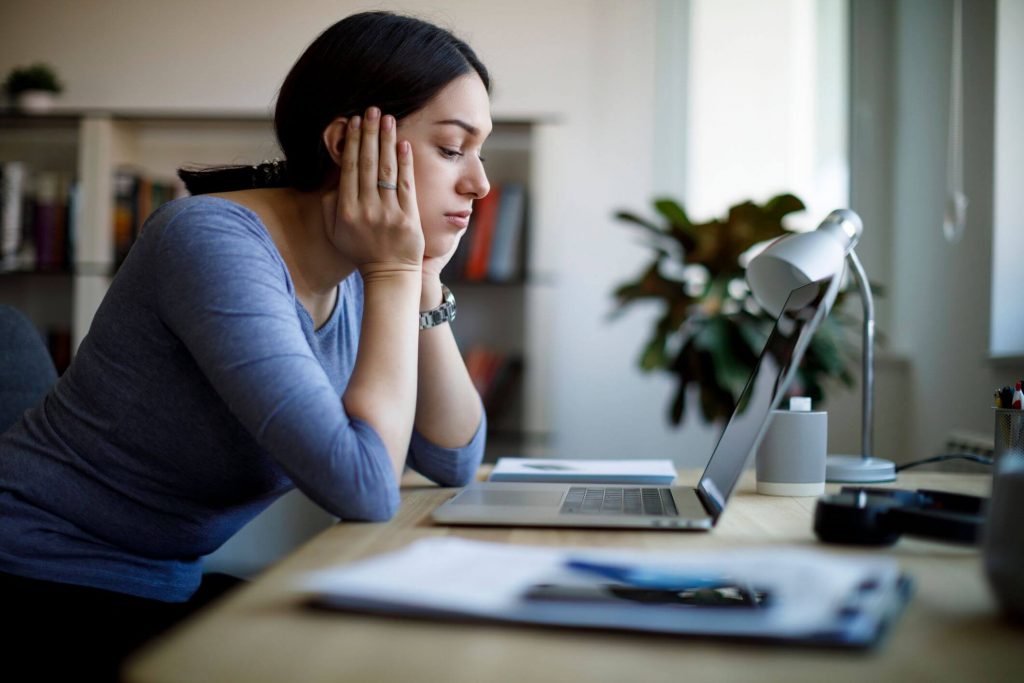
<point x="381" y="59"/>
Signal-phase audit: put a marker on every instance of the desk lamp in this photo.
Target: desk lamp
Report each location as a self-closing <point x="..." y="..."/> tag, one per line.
<point x="795" y="260"/>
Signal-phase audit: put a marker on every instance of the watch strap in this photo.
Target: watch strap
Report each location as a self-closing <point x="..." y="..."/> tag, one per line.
<point x="442" y="314"/>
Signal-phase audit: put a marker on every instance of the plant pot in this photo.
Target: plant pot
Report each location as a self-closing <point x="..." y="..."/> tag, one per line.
<point x="34" y="101"/>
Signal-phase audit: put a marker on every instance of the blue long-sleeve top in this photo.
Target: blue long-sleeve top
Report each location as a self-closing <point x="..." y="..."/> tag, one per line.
<point x="200" y="395"/>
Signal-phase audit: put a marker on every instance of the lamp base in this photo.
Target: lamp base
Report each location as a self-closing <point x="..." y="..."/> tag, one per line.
<point x="856" y="469"/>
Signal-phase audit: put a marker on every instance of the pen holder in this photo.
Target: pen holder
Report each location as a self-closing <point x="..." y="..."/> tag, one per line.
<point x="1003" y="539"/>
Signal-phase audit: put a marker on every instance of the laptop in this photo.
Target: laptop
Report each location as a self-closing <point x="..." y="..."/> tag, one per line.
<point x="675" y="507"/>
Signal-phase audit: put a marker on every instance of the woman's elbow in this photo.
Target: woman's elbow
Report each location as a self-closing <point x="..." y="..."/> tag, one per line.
<point x="371" y="492"/>
<point x="371" y="508"/>
<point x="463" y="472"/>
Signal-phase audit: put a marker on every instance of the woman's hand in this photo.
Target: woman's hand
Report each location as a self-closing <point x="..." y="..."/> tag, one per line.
<point x="372" y="218"/>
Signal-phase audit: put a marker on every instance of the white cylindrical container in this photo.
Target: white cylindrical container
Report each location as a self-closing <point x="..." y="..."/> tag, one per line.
<point x="791" y="457"/>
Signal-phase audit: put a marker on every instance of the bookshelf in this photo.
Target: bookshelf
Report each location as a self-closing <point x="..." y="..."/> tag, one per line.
<point x="86" y="150"/>
<point x="504" y="318"/>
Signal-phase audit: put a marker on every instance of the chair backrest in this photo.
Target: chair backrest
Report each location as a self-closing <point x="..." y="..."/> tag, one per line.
<point x="26" y="369"/>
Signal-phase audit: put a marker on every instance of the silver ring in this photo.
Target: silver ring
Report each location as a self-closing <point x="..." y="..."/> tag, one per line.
<point x="384" y="185"/>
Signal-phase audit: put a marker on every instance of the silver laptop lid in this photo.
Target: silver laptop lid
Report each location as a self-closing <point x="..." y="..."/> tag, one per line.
<point x="805" y="308"/>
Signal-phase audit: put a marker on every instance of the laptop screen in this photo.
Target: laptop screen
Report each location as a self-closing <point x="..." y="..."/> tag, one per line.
<point x="805" y="308"/>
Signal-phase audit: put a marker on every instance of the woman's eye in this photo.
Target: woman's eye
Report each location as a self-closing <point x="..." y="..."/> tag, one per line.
<point x="450" y="153"/>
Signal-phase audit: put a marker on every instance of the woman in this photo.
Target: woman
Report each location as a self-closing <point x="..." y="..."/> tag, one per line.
<point x="264" y="333"/>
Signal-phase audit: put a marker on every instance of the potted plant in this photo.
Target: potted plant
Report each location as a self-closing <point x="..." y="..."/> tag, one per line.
<point x="33" y="88"/>
<point x="711" y="330"/>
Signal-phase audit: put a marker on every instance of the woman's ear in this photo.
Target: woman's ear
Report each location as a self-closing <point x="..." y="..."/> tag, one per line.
<point x="334" y="138"/>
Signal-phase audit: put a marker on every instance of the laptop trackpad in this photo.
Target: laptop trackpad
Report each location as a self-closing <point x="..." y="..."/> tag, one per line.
<point x="513" y="497"/>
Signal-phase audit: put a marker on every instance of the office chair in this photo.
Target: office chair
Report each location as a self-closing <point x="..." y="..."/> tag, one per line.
<point x="26" y="369"/>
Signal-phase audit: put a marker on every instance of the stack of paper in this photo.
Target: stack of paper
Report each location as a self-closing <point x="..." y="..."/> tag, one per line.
<point x="655" y="472"/>
<point x="771" y="594"/>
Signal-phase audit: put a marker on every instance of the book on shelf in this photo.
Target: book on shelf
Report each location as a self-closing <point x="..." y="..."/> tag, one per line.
<point x="481" y="233"/>
<point x="491" y="249"/>
<point x="74" y="202"/>
<point x="506" y="244"/>
<point x="136" y="196"/>
<point x="12" y="190"/>
<point x="37" y="218"/>
<point x="125" y="200"/>
<point x="49" y="221"/>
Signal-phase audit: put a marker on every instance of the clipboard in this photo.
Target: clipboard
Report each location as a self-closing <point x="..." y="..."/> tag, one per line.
<point x="770" y="595"/>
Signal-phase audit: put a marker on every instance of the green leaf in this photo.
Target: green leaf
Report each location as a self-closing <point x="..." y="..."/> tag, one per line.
<point x="653" y="356"/>
<point x="782" y="205"/>
<point x="680" y="227"/>
<point x="650" y="285"/>
<point x="676" y="215"/>
<point x="642" y="222"/>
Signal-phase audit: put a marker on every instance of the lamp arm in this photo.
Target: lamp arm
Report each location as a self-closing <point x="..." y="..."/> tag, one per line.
<point x="868" y="388"/>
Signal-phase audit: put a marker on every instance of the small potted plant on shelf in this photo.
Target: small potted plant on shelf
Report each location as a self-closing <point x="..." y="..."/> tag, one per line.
<point x="33" y="88"/>
<point x="711" y="330"/>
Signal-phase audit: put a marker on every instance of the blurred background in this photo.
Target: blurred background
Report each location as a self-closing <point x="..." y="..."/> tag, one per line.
<point x="601" y="106"/>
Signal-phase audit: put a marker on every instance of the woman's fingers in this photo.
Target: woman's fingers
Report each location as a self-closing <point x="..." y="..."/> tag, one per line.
<point x="348" y="185"/>
<point x="376" y="219"/>
<point x="387" y="171"/>
<point x="368" y="154"/>
<point x="407" y="181"/>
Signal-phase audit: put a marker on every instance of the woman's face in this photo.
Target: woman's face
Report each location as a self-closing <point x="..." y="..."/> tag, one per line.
<point x="446" y="137"/>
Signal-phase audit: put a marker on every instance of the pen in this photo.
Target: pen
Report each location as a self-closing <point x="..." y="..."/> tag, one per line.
<point x="1018" y="397"/>
<point x="650" y="578"/>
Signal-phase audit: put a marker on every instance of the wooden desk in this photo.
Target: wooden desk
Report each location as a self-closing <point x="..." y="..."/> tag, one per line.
<point x="950" y="631"/>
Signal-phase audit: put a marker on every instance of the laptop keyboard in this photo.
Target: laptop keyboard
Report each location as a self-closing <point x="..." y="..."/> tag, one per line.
<point x="610" y="500"/>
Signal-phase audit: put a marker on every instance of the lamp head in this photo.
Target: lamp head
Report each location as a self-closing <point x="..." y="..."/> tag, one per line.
<point x="845" y="226"/>
<point x="794" y="260"/>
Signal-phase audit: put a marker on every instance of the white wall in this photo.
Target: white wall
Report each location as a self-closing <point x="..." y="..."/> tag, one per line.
<point x="937" y="307"/>
<point x="940" y="291"/>
<point x="233" y="54"/>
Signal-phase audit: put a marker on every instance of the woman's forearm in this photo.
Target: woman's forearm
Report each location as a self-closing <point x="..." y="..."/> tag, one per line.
<point x="382" y="389"/>
<point x="448" y="409"/>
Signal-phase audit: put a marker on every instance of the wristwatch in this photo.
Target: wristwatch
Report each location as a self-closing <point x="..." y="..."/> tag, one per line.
<point x="442" y="314"/>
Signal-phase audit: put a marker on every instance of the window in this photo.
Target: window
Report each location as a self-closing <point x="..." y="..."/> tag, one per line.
<point x="1007" y="328"/>
<point x="766" y="105"/>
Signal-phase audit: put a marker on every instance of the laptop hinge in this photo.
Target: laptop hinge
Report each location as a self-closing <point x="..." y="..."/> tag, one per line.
<point x="709" y="504"/>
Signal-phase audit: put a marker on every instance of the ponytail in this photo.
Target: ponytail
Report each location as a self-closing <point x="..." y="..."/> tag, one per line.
<point x="209" y="179"/>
